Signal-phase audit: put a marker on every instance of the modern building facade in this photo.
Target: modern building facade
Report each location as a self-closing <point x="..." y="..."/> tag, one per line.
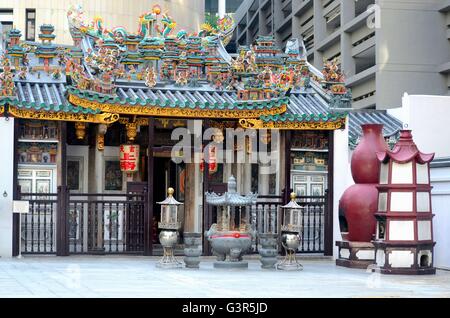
<point x="385" y="47"/>
<point x="28" y="15"/>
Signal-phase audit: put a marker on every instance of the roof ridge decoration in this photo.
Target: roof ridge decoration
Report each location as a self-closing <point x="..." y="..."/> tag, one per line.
<point x="158" y="72"/>
<point x="334" y="83"/>
<point x="7" y="88"/>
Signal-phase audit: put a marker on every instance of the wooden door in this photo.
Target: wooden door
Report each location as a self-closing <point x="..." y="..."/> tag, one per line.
<point x="134" y="229"/>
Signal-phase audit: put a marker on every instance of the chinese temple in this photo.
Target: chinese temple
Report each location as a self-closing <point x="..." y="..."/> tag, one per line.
<point x="93" y="125"/>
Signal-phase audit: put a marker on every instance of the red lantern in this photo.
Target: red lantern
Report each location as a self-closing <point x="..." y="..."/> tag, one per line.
<point x="212" y="160"/>
<point x="129" y="158"/>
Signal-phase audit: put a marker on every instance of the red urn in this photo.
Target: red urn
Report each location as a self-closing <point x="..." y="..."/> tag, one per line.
<point x="365" y="165"/>
<point x="360" y="201"/>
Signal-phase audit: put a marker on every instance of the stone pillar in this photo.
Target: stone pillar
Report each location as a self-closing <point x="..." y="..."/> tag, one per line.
<point x="96" y="182"/>
<point x="347" y="62"/>
<point x="222" y="8"/>
<point x="6" y="186"/>
<point x="263" y="181"/>
<point x="342" y="179"/>
<point x="247" y="178"/>
<point x="320" y="33"/>
<point x="347" y="11"/>
<point x="190" y="204"/>
<point x="198" y="194"/>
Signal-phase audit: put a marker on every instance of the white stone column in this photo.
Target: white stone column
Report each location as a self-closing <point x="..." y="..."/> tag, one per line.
<point x="342" y="179"/>
<point x="6" y="186"/>
<point x="222" y="8"/>
<point x="263" y="180"/>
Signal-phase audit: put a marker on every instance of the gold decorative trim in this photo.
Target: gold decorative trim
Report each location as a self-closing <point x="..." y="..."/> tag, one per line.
<point x="104" y="118"/>
<point x="140" y="121"/>
<point x="143" y="121"/>
<point x="259" y="124"/>
<point x="222" y="124"/>
<point x="100" y="141"/>
<point x="80" y="130"/>
<point x="131" y="131"/>
<point x="2" y="110"/>
<point x="175" y="112"/>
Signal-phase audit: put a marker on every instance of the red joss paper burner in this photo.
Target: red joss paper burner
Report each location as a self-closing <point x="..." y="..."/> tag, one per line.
<point x="404" y="237"/>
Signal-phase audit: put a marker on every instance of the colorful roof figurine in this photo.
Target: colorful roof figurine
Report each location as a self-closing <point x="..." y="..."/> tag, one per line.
<point x="267" y="53"/>
<point x="46" y="34"/>
<point x="46" y="49"/>
<point x="130" y="54"/>
<point x="16" y="52"/>
<point x="333" y="77"/>
<point x="151" y="48"/>
<point x="6" y="80"/>
<point x="76" y="53"/>
<point x="14" y="36"/>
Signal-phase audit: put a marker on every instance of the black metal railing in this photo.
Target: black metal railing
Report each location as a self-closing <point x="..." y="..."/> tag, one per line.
<point x="38" y="226"/>
<point x="114" y="223"/>
<point x="264" y="213"/>
<point x="313" y="224"/>
<point x="265" y="218"/>
<point x="106" y="223"/>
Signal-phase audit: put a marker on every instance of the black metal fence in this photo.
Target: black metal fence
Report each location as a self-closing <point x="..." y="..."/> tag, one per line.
<point x="97" y="223"/>
<point x="111" y="223"/>
<point x="313" y="224"/>
<point x="265" y="217"/>
<point x="106" y="223"/>
<point x="38" y="226"/>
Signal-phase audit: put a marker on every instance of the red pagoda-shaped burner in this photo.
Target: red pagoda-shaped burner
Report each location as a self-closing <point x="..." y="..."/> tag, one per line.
<point x="404" y="237"/>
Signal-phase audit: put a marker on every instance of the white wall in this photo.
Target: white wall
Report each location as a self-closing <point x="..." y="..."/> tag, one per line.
<point x="429" y="118"/>
<point x="6" y="186"/>
<point x="440" y="179"/>
<point x="341" y="179"/>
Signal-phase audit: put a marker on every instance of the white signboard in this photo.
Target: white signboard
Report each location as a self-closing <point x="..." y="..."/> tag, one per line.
<point x="21" y="206"/>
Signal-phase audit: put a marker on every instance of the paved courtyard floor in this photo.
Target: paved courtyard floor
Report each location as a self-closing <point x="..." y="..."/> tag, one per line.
<point x="119" y="276"/>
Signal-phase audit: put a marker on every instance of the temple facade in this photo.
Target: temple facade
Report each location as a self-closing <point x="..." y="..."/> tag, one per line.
<point x="99" y="130"/>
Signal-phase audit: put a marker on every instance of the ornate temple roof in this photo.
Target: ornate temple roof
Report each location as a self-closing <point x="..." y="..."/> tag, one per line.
<point x="115" y="73"/>
<point x="173" y="101"/>
<point x="44" y="96"/>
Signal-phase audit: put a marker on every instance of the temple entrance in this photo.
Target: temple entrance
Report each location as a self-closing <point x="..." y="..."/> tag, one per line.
<point x="310" y="170"/>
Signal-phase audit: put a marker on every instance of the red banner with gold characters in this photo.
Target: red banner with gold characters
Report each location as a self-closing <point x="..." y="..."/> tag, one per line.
<point x="212" y="160"/>
<point x="129" y="158"/>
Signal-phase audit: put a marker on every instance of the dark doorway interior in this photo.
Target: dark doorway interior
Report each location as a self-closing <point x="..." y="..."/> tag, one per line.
<point x="164" y="176"/>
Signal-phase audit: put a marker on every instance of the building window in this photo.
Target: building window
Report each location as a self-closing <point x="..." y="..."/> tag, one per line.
<point x="30" y="23"/>
<point x="6" y="22"/>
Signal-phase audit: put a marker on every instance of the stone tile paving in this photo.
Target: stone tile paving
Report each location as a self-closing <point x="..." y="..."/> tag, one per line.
<point x="119" y="276"/>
